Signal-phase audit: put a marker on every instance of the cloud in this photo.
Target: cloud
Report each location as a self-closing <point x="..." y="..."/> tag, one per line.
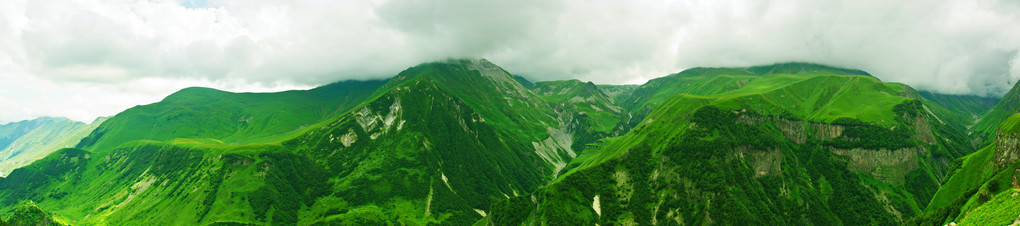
<point x="113" y="55"/>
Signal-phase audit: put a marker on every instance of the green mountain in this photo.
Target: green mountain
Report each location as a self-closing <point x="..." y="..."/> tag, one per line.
<point x="755" y="146"/>
<point x="30" y="140"/>
<point x="983" y="187"/>
<point x="982" y="133"/>
<point x="707" y="81"/>
<point x="465" y="142"/>
<point x="438" y="143"/>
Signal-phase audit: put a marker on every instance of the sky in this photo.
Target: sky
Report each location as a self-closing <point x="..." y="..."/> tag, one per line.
<point x="83" y="59"/>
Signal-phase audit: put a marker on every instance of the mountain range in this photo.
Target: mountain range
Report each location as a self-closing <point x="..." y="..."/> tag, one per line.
<point x="463" y="142"/>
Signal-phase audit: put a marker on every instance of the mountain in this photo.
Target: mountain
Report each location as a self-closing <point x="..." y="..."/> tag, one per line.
<point x="753" y="146"/>
<point x="463" y="141"/>
<point x="438" y="143"/>
<point x="983" y="132"/>
<point x="30" y="140"/>
<point x="983" y="187"/>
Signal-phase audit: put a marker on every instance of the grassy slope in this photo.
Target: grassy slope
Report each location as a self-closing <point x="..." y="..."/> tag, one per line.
<point x="817" y="95"/>
<point x="983" y="131"/>
<point x="978" y="192"/>
<point x="707" y="81"/>
<point x="229" y="117"/>
<point x="49" y="135"/>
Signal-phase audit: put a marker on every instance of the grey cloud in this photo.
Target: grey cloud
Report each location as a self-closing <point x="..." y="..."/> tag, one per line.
<point x="952" y="46"/>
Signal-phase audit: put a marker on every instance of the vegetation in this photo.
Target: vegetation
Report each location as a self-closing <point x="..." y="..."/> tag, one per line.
<point x="29" y="214"/>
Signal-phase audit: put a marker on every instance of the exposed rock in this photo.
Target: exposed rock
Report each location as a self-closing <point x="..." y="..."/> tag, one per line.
<point x="765" y="163"/>
<point x="827" y="131"/>
<point x="1007" y="148"/>
<point x="349" y="138"/>
<point x="889" y="166"/>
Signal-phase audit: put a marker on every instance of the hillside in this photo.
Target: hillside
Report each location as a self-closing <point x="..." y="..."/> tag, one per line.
<point x="39" y="137"/>
<point x="755" y="146"/>
<point x="982" y="189"/>
<point x="228" y="117"/>
<point x="983" y="132"/>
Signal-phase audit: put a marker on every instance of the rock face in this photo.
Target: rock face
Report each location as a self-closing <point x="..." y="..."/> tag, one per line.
<point x="1007" y="146"/>
<point x="890" y="166"/>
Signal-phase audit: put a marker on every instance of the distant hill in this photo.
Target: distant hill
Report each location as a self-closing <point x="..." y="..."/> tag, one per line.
<point x="983" y="132"/>
<point x="31" y="140"/>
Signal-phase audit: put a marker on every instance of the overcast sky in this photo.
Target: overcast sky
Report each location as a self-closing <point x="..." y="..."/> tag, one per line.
<point x="83" y="58"/>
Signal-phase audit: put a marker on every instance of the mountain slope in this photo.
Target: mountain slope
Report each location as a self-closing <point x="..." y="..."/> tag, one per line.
<point x="42" y="136"/>
<point x="982" y="189"/>
<point x="970" y="107"/>
<point x="515" y="112"/>
<point x="228" y="117"/>
<point x="983" y="132"/>
<point x="817" y="147"/>
<point x="592" y="114"/>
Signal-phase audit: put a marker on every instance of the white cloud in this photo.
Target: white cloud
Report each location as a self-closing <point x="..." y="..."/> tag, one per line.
<point x="86" y="58"/>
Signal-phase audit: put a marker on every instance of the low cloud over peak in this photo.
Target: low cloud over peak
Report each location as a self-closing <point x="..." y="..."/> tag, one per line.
<point x="83" y="59"/>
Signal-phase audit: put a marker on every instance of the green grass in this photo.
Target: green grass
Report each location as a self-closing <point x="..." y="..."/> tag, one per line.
<point x="1001" y="210"/>
<point x="229" y="117"/>
<point x="976" y="168"/>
